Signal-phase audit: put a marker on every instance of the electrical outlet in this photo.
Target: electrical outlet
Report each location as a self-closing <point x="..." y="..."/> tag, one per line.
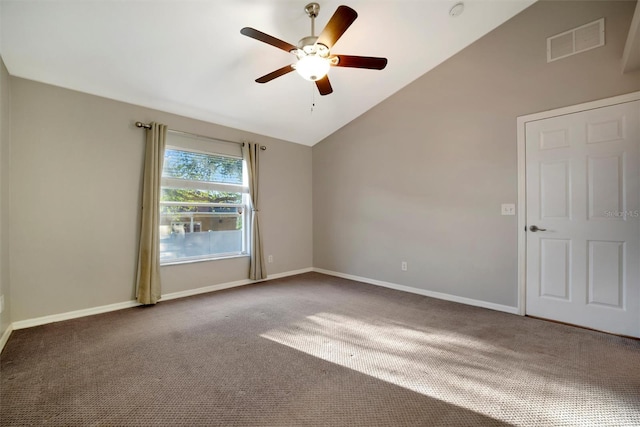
<point x="270" y="259"/>
<point x="508" y="209"/>
<point x="403" y="266"/>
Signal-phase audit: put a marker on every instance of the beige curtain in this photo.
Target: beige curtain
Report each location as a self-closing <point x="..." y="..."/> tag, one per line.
<point x="257" y="268"/>
<point x="148" y="282"/>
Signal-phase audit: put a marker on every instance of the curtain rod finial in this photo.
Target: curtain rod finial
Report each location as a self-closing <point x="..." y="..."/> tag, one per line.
<point x="143" y="125"/>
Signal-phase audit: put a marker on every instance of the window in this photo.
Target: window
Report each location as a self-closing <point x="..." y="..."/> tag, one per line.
<point x="203" y="203"/>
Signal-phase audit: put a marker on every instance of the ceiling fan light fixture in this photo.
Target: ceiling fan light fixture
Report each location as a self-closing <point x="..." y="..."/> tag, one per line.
<point x="314" y="52"/>
<point x="312" y="67"/>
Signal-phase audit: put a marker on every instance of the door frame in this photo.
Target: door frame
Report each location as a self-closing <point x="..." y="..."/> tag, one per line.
<point x="522" y="162"/>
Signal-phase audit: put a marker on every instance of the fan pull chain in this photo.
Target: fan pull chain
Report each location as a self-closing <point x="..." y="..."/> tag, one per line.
<point x="313" y="99"/>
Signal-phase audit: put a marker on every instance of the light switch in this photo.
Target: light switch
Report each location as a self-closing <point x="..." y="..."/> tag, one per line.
<point x="508" y="209"/>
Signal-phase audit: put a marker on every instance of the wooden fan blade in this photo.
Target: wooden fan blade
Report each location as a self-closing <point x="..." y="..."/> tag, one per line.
<point x="324" y="86"/>
<point x="337" y="25"/>
<point x="266" y="38"/>
<point x="369" y="62"/>
<point x="274" y="74"/>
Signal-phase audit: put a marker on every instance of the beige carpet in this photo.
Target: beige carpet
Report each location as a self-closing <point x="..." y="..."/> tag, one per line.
<point x="317" y="350"/>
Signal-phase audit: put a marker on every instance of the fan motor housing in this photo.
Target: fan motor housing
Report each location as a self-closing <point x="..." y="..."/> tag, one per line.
<point x="307" y="41"/>
<point x="308" y="46"/>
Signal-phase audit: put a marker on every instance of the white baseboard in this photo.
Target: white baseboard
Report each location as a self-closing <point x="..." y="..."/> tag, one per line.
<point x="290" y="273"/>
<point x="206" y="289"/>
<point x="5" y="336"/>
<point x="21" y="324"/>
<point x="128" y="304"/>
<point x="424" y="292"/>
<point x="229" y="285"/>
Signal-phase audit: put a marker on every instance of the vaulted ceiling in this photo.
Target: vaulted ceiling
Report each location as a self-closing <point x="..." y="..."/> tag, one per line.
<point x="189" y="58"/>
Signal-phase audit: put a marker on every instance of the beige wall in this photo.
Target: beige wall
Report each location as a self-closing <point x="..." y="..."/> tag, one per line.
<point x="76" y="176"/>
<point x="421" y="177"/>
<point x="5" y="286"/>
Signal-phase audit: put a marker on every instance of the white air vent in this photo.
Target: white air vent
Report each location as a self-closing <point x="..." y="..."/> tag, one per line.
<point x="581" y="39"/>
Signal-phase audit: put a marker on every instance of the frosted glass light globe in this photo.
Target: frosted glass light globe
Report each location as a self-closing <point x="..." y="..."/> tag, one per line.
<point x="312" y="67"/>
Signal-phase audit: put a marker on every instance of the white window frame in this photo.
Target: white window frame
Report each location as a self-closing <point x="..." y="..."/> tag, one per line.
<point x="178" y="183"/>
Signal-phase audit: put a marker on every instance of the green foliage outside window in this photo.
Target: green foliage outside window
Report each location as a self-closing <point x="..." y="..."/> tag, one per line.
<point x="204" y="168"/>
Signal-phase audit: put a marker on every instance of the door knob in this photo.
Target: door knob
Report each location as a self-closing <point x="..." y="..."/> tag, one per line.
<point x="535" y="228"/>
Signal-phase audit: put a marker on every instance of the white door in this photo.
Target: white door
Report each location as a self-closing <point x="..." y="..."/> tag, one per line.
<point x="583" y="195"/>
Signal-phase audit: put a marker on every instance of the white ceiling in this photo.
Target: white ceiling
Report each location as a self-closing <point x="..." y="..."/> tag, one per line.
<point x="189" y="58"/>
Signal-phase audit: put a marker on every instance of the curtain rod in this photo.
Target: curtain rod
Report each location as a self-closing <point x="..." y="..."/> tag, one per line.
<point x="147" y="126"/>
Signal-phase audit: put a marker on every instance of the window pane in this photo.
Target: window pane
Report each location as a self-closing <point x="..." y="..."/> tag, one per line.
<point x="196" y="221"/>
<point x="202" y="196"/>
<point x="200" y="231"/>
<point x="202" y="167"/>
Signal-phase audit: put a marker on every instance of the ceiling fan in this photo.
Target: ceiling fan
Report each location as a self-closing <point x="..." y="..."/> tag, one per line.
<point x="314" y="52"/>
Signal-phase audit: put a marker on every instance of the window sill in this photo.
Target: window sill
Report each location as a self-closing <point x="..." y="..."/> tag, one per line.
<point x="192" y="261"/>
